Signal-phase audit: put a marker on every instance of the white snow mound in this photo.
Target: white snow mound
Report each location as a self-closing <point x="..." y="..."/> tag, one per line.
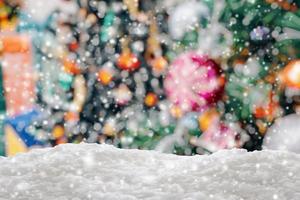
<point x="91" y="171"/>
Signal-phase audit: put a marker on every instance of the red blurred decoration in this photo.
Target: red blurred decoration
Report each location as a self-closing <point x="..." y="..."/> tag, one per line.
<point x="73" y="46"/>
<point x="194" y="82"/>
<point x="71" y="67"/>
<point x="128" y="61"/>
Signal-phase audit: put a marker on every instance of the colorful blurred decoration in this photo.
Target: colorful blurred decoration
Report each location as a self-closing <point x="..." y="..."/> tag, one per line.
<point x="2" y="139"/>
<point x="218" y="134"/>
<point x="159" y="65"/>
<point x="269" y="109"/>
<point x="2" y="114"/>
<point x="151" y="99"/>
<point x="18" y="137"/>
<point x="58" y="134"/>
<point x="8" y="21"/>
<point x="290" y="75"/>
<point x="122" y="95"/>
<point x="70" y="67"/>
<point x="285" y="4"/>
<point x="128" y="61"/>
<point x="154" y="51"/>
<point x="194" y="82"/>
<point x="8" y="15"/>
<point x="205" y="120"/>
<point x="18" y="75"/>
<point x="105" y="76"/>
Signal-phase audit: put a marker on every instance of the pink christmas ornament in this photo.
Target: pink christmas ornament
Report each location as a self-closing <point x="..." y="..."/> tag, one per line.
<point x="194" y="82"/>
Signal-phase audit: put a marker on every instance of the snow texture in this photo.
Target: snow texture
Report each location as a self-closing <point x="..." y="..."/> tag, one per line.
<point x="91" y="171"/>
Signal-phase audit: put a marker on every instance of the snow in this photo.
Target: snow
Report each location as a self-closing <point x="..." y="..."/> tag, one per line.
<point x="284" y="134"/>
<point x="92" y="171"/>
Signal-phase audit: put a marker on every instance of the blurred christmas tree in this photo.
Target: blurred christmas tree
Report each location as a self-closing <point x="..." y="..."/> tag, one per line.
<point x="178" y="76"/>
<point x="126" y="61"/>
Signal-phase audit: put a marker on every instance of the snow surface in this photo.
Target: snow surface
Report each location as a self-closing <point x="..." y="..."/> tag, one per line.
<point x="91" y="171"/>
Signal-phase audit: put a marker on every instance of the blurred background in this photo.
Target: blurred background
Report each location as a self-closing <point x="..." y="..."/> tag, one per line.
<point x="184" y="77"/>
